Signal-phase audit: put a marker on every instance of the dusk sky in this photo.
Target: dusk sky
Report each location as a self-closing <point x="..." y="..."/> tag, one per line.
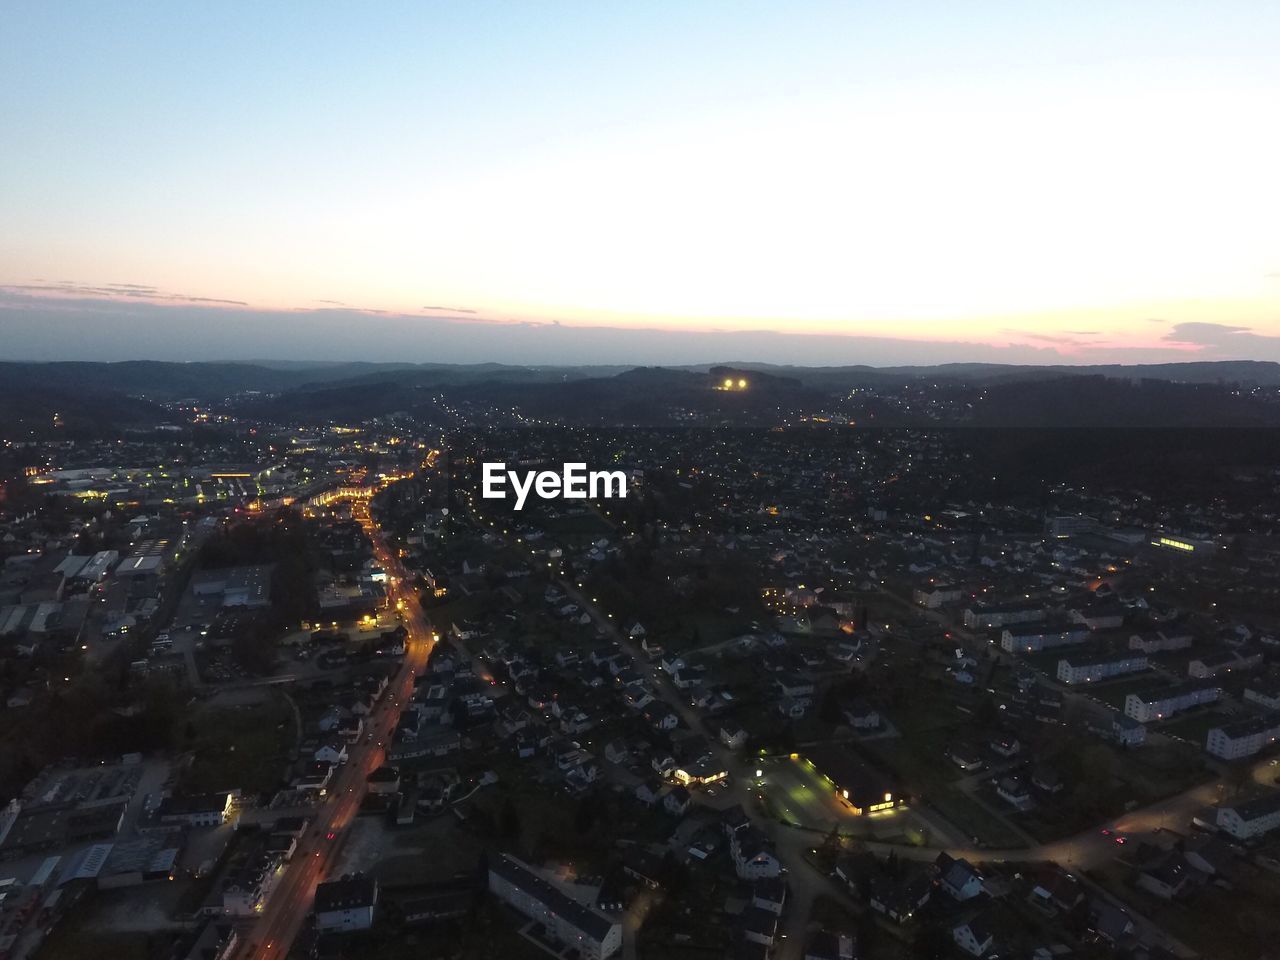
<point x="660" y="182"/>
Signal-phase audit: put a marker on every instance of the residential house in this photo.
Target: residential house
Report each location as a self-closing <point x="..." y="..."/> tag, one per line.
<point x="1167" y="875"/>
<point x="1109" y="921"/>
<point x="753" y="857"/>
<point x="1250" y="819"/>
<point x="1014" y="792"/>
<point x="861" y="715"/>
<point x="829" y="945"/>
<point x="1006" y="745"/>
<point x="974" y="936"/>
<point x="733" y="736"/>
<point x="898" y="898"/>
<point x="770" y="894"/>
<point x="346" y="904"/>
<point x="648" y="792"/>
<point x="958" y="877"/>
<point x="967" y="757"/>
<point x="677" y="800"/>
<point x="383" y="781"/>
<point x="760" y="926"/>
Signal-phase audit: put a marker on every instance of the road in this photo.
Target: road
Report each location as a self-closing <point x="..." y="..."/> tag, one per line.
<point x="286" y="909"/>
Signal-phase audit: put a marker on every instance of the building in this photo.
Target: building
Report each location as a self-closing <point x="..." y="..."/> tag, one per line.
<point x="1167" y="875"/>
<point x="967" y="756"/>
<point x="1034" y="637"/>
<point x="1127" y="731"/>
<point x="593" y="935"/>
<point x="1235" y="741"/>
<point x="973" y="936"/>
<point x="997" y="616"/>
<point x="198" y="810"/>
<point x="861" y="715"/>
<point x="1265" y="692"/>
<point x="1091" y="669"/>
<point x="248" y="587"/>
<point x="898" y="898"/>
<point x="753" y="857"/>
<point x="958" y="877"/>
<point x="1162" y="703"/>
<point x="827" y="945"/>
<point x="346" y="904"/>
<point x="1072" y="525"/>
<point x="97" y="567"/>
<point x="701" y="771"/>
<point x="1169" y="637"/>
<point x="1227" y="661"/>
<point x="1183" y="545"/>
<point x="249" y="884"/>
<point x="864" y="789"/>
<point x="384" y="780"/>
<point x="760" y="926"/>
<point x="1014" y="792"/>
<point x="1252" y="818"/>
<point x="936" y="594"/>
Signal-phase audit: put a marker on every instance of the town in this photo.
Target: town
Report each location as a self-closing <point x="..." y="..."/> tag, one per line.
<point x="808" y="692"/>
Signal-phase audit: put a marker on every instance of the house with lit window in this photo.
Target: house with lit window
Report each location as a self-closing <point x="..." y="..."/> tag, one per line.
<point x="753" y="856"/>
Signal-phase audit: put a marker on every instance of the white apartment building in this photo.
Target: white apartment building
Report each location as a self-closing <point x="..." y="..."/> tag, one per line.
<point x="1033" y="637"/>
<point x="593" y="935"/>
<point x="1093" y="669"/>
<point x="1162" y="704"/>
<point x="1234" y="741"/>
<point x="1251" y="819"/>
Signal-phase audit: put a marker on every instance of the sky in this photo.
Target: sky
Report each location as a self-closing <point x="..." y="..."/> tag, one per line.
<point x="851" y="182"/>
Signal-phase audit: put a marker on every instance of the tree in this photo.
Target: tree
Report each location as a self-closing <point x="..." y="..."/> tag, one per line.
<point x="587" y="813"/>
<point x="832" y="845"/>
<point x="509" y="824"/>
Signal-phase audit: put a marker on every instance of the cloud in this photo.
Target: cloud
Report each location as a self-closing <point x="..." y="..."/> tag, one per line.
<point x="1222" y="341"/>
<point x="1207" y="334"/>
<point x="450" y="309"/>
<point x="134" y="291"/>
<point x="1068" y="338"/>
<point x="47" y="320"/>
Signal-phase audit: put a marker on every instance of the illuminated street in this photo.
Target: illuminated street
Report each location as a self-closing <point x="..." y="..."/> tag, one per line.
<point x="287" y="909"/>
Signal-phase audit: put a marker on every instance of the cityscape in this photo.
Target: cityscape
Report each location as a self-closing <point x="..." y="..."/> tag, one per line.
<point x="299" y="687"/>
<point x="667" y="481"/>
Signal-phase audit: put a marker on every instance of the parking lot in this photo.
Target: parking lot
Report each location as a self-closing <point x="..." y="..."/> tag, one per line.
<point x="796" y="792"/>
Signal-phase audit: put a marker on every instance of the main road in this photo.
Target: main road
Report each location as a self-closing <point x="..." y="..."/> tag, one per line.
<point x="272" y="934"/>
